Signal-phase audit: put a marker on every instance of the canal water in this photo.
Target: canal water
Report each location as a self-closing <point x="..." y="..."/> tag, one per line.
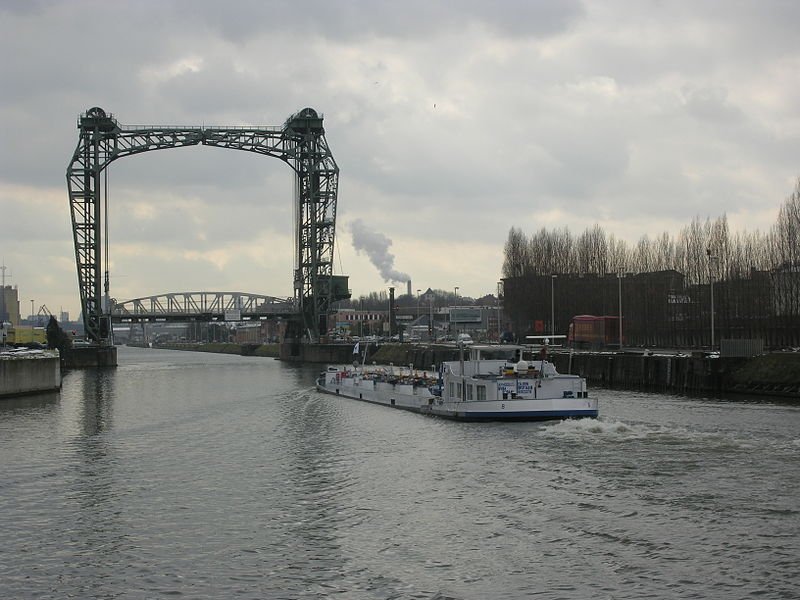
<point x="214" y="476"/>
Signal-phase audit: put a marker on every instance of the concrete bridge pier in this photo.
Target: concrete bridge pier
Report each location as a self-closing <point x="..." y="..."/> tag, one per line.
<point x="84" y="357"/>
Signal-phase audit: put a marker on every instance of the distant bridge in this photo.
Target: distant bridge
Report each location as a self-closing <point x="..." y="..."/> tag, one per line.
<point x="203" y="306"/>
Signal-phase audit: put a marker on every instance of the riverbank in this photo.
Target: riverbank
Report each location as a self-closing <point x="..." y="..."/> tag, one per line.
<point x="265" y="350"/>
<point x="775" y="374"/>
<point x="768" y="375"/>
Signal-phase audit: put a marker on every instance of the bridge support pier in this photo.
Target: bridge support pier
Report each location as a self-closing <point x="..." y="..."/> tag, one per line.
<point x="85" y="357"/>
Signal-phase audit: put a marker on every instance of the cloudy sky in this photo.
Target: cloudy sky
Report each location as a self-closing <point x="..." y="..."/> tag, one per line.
<point x="450" y="121"/>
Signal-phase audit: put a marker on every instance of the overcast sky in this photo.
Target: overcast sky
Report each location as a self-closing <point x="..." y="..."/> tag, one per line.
<point x="450" y="121"/>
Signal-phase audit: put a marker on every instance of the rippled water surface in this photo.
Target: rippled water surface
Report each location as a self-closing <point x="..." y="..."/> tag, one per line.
<point x="213" y="476"/>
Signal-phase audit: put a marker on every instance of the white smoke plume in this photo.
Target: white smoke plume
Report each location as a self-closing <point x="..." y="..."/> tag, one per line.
<point x="376" y="245"/>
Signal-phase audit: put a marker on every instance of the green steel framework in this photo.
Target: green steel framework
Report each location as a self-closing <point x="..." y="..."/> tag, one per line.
<point x="300" y="142"/>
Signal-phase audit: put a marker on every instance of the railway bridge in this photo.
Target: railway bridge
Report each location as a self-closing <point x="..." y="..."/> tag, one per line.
<point x="202" y="306"/>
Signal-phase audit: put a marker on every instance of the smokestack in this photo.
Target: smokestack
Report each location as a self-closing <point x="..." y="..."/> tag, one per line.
<point x="392" y="313"/>
<point x="409" y="287"/>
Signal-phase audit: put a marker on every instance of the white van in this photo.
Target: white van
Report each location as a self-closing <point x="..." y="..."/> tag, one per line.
<point x="464" y="338"/>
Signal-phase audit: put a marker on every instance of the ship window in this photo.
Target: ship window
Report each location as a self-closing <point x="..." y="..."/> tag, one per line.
<point x="469" y="392"/>
<point x="452" y="389"/>
<point x="481" y="392"/>
<point x="458" y="390"/>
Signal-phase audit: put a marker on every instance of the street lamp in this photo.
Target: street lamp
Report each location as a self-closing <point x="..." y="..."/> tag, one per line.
<point x="552" y="306"/>
<point x="31" y="320"/>
<point x="499" y="327"/>
<point x="619" y="279"/>
<point x="430" y="320"/>
<point x="455" y="303"/>
<point x="712" y="261"/>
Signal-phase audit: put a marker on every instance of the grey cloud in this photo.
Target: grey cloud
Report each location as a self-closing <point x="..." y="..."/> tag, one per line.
<point x="711" y="104"/>
<point x="700" y="111"/>
<point x="360" y="19"/>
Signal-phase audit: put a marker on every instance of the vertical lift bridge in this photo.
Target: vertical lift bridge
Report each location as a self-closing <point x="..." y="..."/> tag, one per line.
<point x="300" y="143"/>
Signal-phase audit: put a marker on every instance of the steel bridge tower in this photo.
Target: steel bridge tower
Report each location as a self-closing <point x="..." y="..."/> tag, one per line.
<point x="300" y="143"/>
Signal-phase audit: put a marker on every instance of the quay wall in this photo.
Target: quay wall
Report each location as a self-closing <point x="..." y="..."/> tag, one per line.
<point x="420" y="356"/>
<point x="773" y="374"/>
<point x="84" y="357"/>
<point x="267" y="350"/>
<point x="29" y="374"/>
<point x="769" y="375"/>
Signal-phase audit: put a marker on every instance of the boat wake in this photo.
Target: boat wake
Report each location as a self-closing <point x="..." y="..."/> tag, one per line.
<point x="578" y="427"/>
<point x="667" y="436"/>
<point x="634" y="431"/>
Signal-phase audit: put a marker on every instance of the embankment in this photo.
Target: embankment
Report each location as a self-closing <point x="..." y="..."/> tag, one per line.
<point x="29" y="373"/>
<point x="771" y="374"/>
<point x="267" y="350"/>
<point x="418" y="355"/>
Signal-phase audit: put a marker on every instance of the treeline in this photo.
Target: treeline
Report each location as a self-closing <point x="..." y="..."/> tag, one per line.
<point x="755" y="278"/>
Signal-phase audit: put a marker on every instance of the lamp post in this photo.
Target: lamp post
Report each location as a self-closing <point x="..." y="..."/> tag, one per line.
<point x="552" y="306"/>
<point x="455" y="303"/>
<point x="499" y="326"/>
<point x="3" y="294"/>
<point x="712" y="261"/>
<point x="619" y="280"/>
<point x="430" y="320"/>
<point x="31" y="320"/>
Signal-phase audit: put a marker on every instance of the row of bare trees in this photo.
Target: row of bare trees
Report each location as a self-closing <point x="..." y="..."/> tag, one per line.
<point x="755" y="277"/>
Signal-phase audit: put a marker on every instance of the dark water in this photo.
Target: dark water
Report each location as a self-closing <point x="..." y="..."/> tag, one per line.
<point x="212" y="476"/>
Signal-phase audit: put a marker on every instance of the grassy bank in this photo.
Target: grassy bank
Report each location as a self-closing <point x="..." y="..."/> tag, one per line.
<point x="777" y="373"/>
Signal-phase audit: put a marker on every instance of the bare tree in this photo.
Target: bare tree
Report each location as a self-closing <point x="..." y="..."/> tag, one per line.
<point x="756" y="279"/>
<point x="516" y="262"/>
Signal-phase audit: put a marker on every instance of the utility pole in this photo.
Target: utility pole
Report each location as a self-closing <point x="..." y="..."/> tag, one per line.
<point x="452" y="311"/>
<point x="499" y="326"/>
<point x="552" y="306"/>
<point x="430" y="321"/>
<point x="3" y="316"/>
<point x="3" y="306"/>
<point x="619" y="278"/>
<point x="712" y="261"/>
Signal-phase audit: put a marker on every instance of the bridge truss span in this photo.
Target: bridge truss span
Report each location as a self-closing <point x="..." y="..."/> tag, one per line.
<point x="300" y="143"/>
<point x="203" y="306"/>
